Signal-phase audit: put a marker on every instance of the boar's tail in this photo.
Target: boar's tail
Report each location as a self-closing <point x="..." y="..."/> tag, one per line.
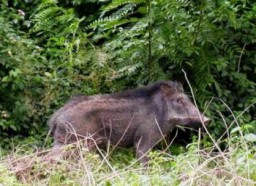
<point x="52" y="124"/>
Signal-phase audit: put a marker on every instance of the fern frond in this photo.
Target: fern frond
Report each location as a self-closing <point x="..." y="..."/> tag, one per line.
<point x="117" y="13"/>
<point x="102" y="21"/>
<point x="50" y="18"/>
<point x="118" y="3"/>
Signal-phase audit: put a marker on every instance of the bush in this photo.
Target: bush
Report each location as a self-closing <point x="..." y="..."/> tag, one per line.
<point x="58" y="50"/>
<point x="38" y="76"/>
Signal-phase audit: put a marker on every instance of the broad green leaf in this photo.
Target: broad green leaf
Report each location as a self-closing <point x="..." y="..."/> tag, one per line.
<point x="235" y="130"/>
<point x="250" y="137"/>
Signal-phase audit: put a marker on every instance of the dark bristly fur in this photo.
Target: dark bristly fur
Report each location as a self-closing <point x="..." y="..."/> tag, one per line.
<point x="147" y="91"/>
<point x="140" y="117"/>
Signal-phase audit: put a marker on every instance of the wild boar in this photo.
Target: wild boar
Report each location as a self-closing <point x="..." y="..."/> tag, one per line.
<point x="140" y="117"/>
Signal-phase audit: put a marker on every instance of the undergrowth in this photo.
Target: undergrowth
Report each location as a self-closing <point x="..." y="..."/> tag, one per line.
<point x="198" y="165"/>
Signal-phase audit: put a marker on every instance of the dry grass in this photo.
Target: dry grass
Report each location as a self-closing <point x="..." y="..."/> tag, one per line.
<point x="234" y="166"/>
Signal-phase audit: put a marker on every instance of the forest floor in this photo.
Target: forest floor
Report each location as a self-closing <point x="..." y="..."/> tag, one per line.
<point x="235" y="165"/>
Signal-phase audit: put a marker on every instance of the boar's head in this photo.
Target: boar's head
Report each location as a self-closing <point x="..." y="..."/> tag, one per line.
<point x="180" y="110"/>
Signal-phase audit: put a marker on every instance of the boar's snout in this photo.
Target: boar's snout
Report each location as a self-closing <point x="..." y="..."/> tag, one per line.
<point x="205" y="120"/>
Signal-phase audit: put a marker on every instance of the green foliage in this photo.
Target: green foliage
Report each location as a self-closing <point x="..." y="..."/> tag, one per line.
<point x="6" y="178"/>
<point x="51" y="20"/>
<point x="38" y="75"/>
<point x="114" y="15"/>
<point x="207" y="39"/>
<point x="17" y="78"/>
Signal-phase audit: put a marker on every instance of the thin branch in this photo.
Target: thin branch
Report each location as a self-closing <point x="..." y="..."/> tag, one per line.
<point x="199" y="23"/>
<point x="240" y="58"/>
<point x="149" y="40"/>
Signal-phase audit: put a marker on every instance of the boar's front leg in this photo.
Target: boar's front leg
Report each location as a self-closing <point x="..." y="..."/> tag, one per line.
<point x="144" y="141"/>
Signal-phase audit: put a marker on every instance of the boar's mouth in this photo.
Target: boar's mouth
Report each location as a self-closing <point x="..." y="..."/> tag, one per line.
<point x="193" y="122"/>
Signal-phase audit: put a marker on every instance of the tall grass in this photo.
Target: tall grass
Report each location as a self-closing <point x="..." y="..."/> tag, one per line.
<point x="235" y="165"/>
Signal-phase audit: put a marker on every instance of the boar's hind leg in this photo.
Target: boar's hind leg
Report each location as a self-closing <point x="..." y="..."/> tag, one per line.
<point x="55" y="153"/>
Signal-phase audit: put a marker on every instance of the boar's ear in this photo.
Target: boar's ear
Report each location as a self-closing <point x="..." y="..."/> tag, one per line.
<point x="167" y="90"/>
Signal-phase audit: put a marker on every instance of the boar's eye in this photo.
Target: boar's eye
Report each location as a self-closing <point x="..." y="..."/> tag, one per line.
<point x="180" y="101"/>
